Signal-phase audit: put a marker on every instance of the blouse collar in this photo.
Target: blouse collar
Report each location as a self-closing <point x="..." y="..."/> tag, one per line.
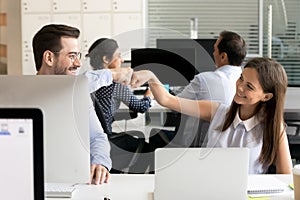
<point x="249" y="123"/>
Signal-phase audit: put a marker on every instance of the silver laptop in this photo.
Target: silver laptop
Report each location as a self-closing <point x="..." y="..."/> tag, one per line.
<point x="21" y="154"/>
<point x="201" y="173"/>
<point x="64" y="101"/>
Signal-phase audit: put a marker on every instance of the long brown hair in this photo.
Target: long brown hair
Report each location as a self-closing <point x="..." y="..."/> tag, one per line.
<point x="273" y="79"/>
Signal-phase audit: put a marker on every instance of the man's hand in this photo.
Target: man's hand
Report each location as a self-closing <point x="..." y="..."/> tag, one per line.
<point x="122" y="75"/>
<point x="99" y="174"/>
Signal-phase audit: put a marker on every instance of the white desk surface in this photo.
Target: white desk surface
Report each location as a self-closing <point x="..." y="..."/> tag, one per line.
<point x="139" y="187"/>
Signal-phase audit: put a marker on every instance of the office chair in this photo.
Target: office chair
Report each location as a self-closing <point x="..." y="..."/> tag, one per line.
<point x="131" y="114"/>
<point x="292" y="121"/>
<point x="126" y="147"/>
<point x="160" y="138"/>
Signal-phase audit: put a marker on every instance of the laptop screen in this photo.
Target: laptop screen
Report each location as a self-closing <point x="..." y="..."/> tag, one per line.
<point x="21" y="154"/>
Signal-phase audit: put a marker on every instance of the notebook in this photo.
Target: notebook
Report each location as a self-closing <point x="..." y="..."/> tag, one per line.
<point x="264" y="185"/>
<point x="64" y="101"/>
<point x="201" y="173"/>
<point x="21" y="154"/>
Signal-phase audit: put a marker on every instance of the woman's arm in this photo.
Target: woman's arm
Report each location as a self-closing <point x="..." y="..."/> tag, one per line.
<point x="124" y="94"/>
<point x="202" y="109"/>
<point x="284" y="161"/>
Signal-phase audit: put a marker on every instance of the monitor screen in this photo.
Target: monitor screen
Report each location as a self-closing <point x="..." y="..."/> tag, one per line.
<point x="174" y="66"/>
<point x="21" y="154"/>
<point x="64" y="101"/>
<point x="204" y="49"/>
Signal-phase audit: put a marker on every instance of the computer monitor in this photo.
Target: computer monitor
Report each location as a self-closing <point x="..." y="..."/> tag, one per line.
<point x="21" y="153"/>
<point x="64" y="101"/>
<point x="204" y="49"/>
<point x="175" y="66"/>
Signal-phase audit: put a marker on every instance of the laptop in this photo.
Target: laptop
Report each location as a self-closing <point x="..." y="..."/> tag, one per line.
<point x="21" y="153"/>
<point x="201" y="173"/>
<point x="64" y="101"/>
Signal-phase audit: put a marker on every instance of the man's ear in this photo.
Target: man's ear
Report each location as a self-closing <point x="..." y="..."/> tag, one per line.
<point x="48" y="57"/>
<point x="267" y="97"/>
<point x="224" y="58"/>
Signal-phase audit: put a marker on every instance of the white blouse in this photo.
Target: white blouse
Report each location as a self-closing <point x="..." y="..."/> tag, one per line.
<point x="248" y="133"/>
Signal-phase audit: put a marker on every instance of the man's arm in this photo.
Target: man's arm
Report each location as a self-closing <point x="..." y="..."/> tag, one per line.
<point x="105" y="77"/>
<point x="99" y="150"/>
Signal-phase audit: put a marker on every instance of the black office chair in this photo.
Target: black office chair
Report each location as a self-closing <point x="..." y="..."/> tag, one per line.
<point x="126" y="147"/>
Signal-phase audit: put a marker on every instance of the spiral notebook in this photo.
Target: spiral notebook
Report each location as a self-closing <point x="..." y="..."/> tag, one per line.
<point x="264" y="184"/>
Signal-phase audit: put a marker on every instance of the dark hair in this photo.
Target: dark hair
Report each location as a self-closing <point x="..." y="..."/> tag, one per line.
<point x="273" y="79"/>
<point x="235" y="47"/>
<point x="49" y="38"/>
<point x="100" y="48"/>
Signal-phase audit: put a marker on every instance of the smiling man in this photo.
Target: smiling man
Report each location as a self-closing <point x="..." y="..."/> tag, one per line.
<point x="56" y="52"/>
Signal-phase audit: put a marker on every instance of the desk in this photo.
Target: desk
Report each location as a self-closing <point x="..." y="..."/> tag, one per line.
<point x="120" y="187"/>
<point x="139" y="187"/>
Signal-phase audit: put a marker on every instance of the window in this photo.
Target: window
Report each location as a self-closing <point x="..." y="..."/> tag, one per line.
<point x="285" y="36"/>
<point x="171" y="19"/>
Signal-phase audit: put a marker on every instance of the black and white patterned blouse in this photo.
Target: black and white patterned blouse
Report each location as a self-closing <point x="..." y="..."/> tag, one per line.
<point x="110" y="98"/>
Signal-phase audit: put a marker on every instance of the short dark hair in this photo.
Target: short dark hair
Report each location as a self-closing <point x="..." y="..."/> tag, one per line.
<point x="49" y="38"/>
<point x="101" y="47"/>
<point x="235" y="47"/>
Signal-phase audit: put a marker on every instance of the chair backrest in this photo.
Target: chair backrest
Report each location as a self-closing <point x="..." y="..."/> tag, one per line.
<point x="122" y="156"/>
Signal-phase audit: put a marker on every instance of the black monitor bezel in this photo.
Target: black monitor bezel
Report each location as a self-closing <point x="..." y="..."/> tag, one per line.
<point x="38" y="153"/>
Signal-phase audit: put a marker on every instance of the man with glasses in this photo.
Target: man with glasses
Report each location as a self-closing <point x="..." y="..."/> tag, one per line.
<point x="56" y="51"/>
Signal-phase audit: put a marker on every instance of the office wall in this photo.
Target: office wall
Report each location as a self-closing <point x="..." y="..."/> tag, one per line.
<point x="13" y="37"/>
<point x="105" y="18"/>
<point x="3" y="47"/>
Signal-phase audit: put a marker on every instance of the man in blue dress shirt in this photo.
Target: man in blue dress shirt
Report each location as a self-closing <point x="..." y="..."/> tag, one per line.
<point x="56" y="52"/>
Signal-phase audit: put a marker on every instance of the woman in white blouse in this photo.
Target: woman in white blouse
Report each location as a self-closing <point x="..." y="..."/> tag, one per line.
<point x="253" y="120"/>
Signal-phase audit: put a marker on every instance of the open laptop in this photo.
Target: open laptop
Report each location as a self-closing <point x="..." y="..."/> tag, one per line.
<point x="201" y="173"/>
<point x="64" y="101"/>
<point x="21" y="154"/>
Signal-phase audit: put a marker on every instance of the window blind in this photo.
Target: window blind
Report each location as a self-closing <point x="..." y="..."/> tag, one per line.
<point x="171" y="19"/>
<point x="286" y="36"/>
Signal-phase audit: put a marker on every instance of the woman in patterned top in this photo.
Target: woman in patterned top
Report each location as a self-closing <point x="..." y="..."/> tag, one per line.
<point x="104" y="53"/>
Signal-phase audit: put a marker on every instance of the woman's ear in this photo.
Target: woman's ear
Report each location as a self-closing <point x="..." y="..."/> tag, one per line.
<point x="105" y="60"/>
<point x="267" y="97"/>
<point x="48" y="57"/>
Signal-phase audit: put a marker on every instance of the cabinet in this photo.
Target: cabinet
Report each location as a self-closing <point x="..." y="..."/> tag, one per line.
<point x="95" y="6"/>
<point x="29" y="6"/>
<point x="66" y="6"/>
<point x="94" y="18"/>
<point x="126" y="6"/>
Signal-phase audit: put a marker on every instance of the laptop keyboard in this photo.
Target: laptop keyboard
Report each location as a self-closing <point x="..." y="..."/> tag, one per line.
<point x="64" y="190"/>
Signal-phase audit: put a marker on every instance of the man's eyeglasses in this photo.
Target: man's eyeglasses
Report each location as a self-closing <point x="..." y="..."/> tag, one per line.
<point x="72" y="55"/>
